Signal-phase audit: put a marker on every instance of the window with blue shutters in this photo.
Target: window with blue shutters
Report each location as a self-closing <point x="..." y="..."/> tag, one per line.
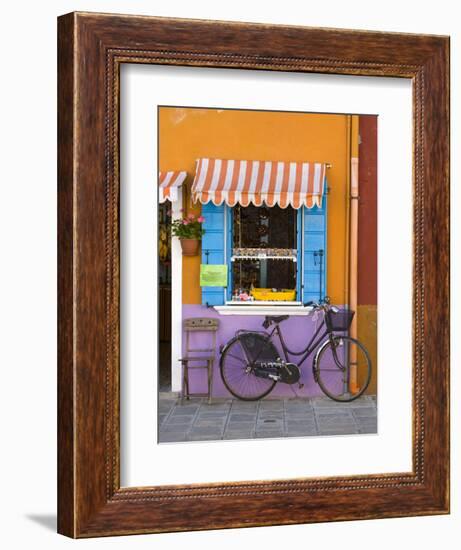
<point x="306" y="272"/>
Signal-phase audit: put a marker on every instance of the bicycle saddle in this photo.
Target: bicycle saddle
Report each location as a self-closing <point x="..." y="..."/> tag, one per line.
<point x="274" y="319"/>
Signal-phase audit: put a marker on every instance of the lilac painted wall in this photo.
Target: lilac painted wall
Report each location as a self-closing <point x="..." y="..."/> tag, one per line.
<point x="297" y="331"/>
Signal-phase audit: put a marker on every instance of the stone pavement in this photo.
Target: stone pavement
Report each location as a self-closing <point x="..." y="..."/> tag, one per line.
<point x="196" y="420"/>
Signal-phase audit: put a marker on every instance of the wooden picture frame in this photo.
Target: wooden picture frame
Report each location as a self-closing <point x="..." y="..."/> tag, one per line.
<point x="91" y="49"/>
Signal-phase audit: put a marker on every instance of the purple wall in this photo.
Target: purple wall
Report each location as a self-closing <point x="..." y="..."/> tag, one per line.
<point x="297" y="331"/>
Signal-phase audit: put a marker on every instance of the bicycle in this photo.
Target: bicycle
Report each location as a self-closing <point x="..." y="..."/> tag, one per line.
<point x="251" y="365"/>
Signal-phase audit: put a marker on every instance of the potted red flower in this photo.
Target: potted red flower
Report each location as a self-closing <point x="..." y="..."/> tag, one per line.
<point x="189" y="231"/>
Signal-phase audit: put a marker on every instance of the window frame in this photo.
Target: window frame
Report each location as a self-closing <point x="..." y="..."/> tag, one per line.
<point x="228" y="246"/>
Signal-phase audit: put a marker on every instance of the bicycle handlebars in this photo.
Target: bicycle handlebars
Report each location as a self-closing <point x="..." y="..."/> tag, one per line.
<point x="322" y="304"/>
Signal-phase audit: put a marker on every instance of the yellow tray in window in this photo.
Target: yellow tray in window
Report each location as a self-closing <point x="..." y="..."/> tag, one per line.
<point x="268" y="295"/>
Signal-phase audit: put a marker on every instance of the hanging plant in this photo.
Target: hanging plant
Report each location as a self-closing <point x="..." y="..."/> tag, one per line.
<point x="189" y="231"/>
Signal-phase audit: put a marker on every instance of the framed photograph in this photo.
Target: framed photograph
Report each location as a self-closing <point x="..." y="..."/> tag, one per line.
<point x="253" y="275"/>
<point x="282" y="242"/>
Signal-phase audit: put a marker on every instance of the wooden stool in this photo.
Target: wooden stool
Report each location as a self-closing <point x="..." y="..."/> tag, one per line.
<point x="206" y="361"/>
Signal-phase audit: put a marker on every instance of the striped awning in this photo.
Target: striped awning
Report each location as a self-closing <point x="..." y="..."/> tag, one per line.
<point x="168" y="185"/>
<point x="293" y="184"/>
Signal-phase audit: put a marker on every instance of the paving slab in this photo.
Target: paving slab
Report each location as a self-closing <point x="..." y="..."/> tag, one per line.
<point x="368" y="427"/>
<point x="299" y="412"/>
<point x="247" y="427"/>
<point x="206" y="430"/>
<point x="298" y="404"/>
<point x="365" y="419"/>
<point x="165" y="412"/>
<point x="174" y="428"/>
<point x="230" y="419"/>
<point x="301" y="433"/>
<point x="179" y="419"/>
<point x="244" y="407"/>
<point x="318" y="402"/>
<point x="216" y="420"/>
<point x="271" y="406"/>
<point x="273" y="423"/>
<point x="216" y="404"/>
<point x="343" y="426"/>
<point x="300" y="418"/>
<point x="300" y="425"/>
<point x="239" y="435"/>
<point x="368" y="430"/>
<point x="361" y="412"/>
<point x="332" y="411"/>
<point x="203" y="437"/>
<point x="334" y="418"/>
<point x="180" y="412"/>
<point x="270" y="434"/>
<point x="173" y="437"/>
<point x="242" y="417"/>
<point x="338" y="430"/>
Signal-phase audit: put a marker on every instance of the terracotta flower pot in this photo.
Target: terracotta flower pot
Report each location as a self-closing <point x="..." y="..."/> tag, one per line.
<point x="189" y="246"/>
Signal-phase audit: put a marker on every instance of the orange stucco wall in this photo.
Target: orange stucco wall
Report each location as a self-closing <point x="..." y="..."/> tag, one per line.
<point x="187" y="134"/>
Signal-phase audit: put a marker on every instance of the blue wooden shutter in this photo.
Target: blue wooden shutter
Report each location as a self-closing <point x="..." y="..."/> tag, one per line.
<point x="213" y="243"/>
<point x="315" y="240"/>
<point x="228" y="228"/>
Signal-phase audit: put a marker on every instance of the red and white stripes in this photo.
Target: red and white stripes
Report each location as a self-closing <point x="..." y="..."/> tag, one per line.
<point x="168" y="185"/>
<point x="250" y="181"/>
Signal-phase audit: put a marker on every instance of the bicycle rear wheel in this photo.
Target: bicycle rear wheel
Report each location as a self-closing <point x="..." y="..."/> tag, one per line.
<point x="343" y="368"/>
<point x="238" y="360"/>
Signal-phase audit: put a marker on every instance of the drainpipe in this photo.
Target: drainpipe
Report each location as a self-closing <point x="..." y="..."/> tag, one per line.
<point x="353" y="244"/>
<point x="347" y="208"/>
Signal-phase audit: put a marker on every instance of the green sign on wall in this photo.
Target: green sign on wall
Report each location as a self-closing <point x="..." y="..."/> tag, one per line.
<point x="213" y="275"/>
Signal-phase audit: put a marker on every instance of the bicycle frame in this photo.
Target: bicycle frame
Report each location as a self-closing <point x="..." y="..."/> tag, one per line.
<point x="308" y="350"/>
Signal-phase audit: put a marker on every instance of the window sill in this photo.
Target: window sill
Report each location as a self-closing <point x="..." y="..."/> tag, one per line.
<point x="283" y="308"/>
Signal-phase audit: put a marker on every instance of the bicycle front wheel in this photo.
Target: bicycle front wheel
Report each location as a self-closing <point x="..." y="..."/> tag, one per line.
<point x="343" y="368"/>
<point x="238" y="361"/>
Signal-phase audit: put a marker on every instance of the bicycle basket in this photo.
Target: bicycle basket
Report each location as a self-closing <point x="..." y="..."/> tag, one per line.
<point x="339" y="321"/>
